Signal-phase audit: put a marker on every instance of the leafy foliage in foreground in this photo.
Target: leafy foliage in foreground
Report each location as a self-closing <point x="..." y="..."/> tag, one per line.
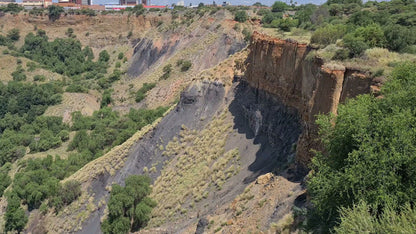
<point x="129" y="207"/>
<point x="371" y="152"/>
<point x="361" y="219"/>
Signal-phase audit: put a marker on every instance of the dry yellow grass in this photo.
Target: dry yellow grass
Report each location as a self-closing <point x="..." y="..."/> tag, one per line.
<point x="250" y="212"/>
<point x="85" y="102"/>
<point x="200" y="165"/>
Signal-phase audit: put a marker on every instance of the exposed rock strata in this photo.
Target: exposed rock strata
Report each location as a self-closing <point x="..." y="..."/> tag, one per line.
<point x="284" y="69"/>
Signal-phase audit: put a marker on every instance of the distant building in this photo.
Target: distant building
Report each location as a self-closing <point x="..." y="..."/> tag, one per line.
<point x="180" y="3"/>
<point x="135" y="2"/>
<point x="226" y="4"/>
<point x="36" y="3"/>
<point x="78" y="2"/>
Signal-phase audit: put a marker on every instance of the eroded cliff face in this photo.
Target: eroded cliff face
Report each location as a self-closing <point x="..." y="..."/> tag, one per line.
<point x="283" y="69"/>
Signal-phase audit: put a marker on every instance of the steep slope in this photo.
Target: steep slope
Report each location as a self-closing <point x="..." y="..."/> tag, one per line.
<point x="284" y="69"/>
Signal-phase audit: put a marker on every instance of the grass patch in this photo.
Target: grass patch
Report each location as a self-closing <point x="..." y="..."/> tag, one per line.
<point x="200" y="165"/>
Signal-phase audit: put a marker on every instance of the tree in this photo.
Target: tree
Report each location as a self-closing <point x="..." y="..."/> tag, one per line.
<point x="103" y="56"/>
<point x="241" y="16"/>
<point x="54" y="12"/>
<point x="356" y="45"/>
<point x="372" y="34"/>
<point x="129" y="207"/>
<point x="328" y="34"/>
<point x="369" y="152"/>
<point x="15" y="216"/>
<point x="399" y="37"/>
<point x="279" y="6"/>
<point x="186" y="65"/>
<point x="13" y="34"/>
<point x="138" y="9"/>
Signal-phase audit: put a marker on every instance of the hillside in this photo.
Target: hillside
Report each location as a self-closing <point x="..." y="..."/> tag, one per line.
<point x="206" y="120"/>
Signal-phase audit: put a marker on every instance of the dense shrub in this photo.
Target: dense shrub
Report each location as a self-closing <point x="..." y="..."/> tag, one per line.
<point x="141" y="93"/>
<point x="63" y="55"/>
<point x="39" y="78"/>
<point x="355" y="45"/>
<point x="167" y="69"/>
<point x="76" y="88"/>
<point x="362" y="219"/>
<point x="19" y="74"/>
<point x="5" y="179"/>
<point x="54" y="12"/>
<point x="13" y="34"/>
<point x="103" y="56"/>
<point x="279" y="6"/>
<point x="328" y="34"/>
<point x="241" y="16"/>
<point x="369" y="152"/>
<point x="186" y="65"/>
<point x="20" y="108"/>
<point x="129" y="207"/>
<point x="15" y="216"/>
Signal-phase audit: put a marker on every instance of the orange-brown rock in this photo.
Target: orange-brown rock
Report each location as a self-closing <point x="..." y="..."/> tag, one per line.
<point x="283" y="69"/>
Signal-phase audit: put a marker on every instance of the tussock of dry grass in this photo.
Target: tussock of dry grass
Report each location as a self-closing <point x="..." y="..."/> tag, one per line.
<point x="201" y="164"/>
<point x="379" y="59"/>
<point x="71" y="102"/>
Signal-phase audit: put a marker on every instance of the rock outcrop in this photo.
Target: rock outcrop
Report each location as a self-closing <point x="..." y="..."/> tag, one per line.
<point x="283" y="69"/>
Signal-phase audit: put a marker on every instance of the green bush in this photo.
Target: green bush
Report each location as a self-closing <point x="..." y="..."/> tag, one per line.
<point x="106" y="98"/>
<point x="362" y="219"/>
<point x="167" y="69"/>
<point x="120" y="55"/>
<point x="19" y="74"/>
<point x="103" y="56"/>
<point x="141" y="93"/>
<point x="186" y="65"/>
<point x="76" y="88"/>
<point x="279" y="6"/>
<point x="247" y="34"/>
<point x="369" y="152"/>
<point x="356" y="45"/>
<point x="341" y="54"/>
<point x="5" y="179"/>
<point x="54" y="12"/>
<point x="13" y="34"/>
<point x="15" y="216"/>
<point x="63" y="135"/>
<point x="129" y="207"/>
<point x="328" y="34"/>
<point x="372" y="34"/>
<point x="70" y="191"/>
<point x="241" y="16"/>
<point x="39" y="78"/>
<point x="63" y="55"/>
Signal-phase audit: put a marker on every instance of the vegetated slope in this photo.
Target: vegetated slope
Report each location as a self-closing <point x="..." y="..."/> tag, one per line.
<point x="72" y="217"/>
<point x="206" y="151"/>
<point x="202" y="42"/>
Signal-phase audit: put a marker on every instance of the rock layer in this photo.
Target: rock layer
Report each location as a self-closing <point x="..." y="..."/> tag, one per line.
<point x="286" y="70"/>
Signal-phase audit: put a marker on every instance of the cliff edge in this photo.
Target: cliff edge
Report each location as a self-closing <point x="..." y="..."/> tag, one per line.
<point x="287" y="70"/>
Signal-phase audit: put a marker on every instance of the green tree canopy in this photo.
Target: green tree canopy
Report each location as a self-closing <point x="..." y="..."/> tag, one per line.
<point x="129" y="203"/>
<point x="370" y="151"/>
